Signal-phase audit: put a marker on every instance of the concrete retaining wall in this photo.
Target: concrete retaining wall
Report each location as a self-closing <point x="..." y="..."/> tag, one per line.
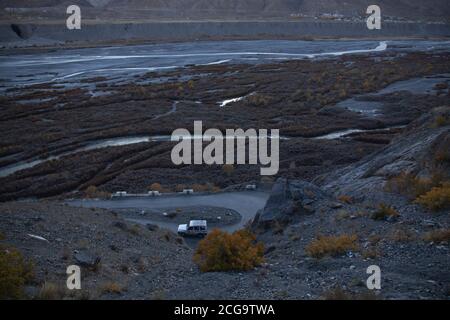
<point x="191" y="30"/>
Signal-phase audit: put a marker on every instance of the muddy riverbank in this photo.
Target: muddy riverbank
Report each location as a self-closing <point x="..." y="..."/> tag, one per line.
<point x="65" y="121"/>
<point x="57" y="33"/>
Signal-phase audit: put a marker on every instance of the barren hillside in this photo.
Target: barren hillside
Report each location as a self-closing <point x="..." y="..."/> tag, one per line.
<point x="220" y="9"/>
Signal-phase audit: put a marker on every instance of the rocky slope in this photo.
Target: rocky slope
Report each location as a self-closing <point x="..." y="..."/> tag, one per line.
<point x="122" y="261"/>
<point x="176" y="9"/>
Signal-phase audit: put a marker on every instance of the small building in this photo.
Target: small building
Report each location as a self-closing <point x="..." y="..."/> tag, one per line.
<point x="188" y="191"/>
<point x="119" y="194"/>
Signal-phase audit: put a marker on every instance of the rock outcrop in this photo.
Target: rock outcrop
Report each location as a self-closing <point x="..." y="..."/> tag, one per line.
<point x="289" y="200"/>
<point x="413" y="152"/>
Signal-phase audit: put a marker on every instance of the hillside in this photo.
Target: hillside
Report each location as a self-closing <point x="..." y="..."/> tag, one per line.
<point x="232" y="9"/>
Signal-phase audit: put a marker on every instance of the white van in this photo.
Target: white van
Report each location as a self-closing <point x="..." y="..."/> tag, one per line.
<point x="195" y="228"/>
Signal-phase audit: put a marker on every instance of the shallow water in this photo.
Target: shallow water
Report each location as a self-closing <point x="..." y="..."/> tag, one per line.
<point x="127" y="61"/>
<point x="423" y="85"/>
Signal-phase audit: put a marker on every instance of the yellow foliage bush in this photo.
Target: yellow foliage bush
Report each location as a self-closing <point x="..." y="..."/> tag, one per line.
<point x="412" y="186"/>
<point x="332" y="245"/>
<point x="15" y="272"/>
<point x="222" y="251"/>
<point x="437" y="198"/>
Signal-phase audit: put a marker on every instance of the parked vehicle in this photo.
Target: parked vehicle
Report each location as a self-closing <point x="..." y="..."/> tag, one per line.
<point x="195" y="228"/>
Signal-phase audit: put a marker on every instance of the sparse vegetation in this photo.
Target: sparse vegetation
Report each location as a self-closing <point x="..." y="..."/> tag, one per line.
<point x="158" y="187"/>
<point x="332" y="245"/>
<point x="221" y="251"/>
<point x="437" y="236"/>
<point x="15" y="272"/>
<point x="340" y="294"/>
<point x="401" y="235"/>
<point x="51" y="291"/>
<point x="111" y="287"/>
<point x="436" y="199"/>
<point x="92" y="192"/>
<point x="412" y="186"/>
<point x="370" y="253"/>
<point x="441" y="120"/>
<point x="228" y="169"/>
<point x="257" y="100"/>
<point x="385" y="212"/>
<point x="135" y="229"/>
<point x="345" y="199"/>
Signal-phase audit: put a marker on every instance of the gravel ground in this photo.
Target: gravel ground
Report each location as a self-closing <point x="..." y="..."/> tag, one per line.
<point x="158" y="265"/>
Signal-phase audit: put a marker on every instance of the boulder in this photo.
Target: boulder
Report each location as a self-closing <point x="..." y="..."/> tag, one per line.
<point x="85" y="259"/>
<point x="152" y="227"/>
<point x="289" y="200"/>
<point x="24" y="31"/>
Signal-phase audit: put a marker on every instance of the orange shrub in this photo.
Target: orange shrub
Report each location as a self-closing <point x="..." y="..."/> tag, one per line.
<point x="332" y="245"/>
<point x="440" y="235"/>
<point x="92" y="193"/>
<point x="345" y="199"/>
<point x="228" y="169"/>
<point x="180" y="187"/>
<point x="156" y="187"/>
<point x="436" y="199"/>
<point x="221" y="251"/>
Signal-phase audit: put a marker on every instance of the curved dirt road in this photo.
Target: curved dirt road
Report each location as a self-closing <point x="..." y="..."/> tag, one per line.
<point x="246" y="203"/>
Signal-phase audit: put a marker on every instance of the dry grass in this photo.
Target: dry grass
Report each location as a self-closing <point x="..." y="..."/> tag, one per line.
<point x="441" y="120"/>
<point x="158" y="187"/>
<point x="257" y="100"/>
<point x="436" y="199"/>
<point x="93" y="193"/>
<point x="371" y="253"/>
<point x="340" y="294"/>
<point x="228" y="169"/>
<point x="15" y="272"/>
<point x="111" y="287"/>
<point x="437" y="236"/>
<point x="411" y="185"/>
<point x="135" y="229"/>
<point x="402" y="235"/>
<point x="332" y="245"/>
<point x="342" y="215"/>
<point x="51" y="291"/>
<point x="384" y="212"/>
<point x="158" y="295"/>
<point x="345" y="199"/>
